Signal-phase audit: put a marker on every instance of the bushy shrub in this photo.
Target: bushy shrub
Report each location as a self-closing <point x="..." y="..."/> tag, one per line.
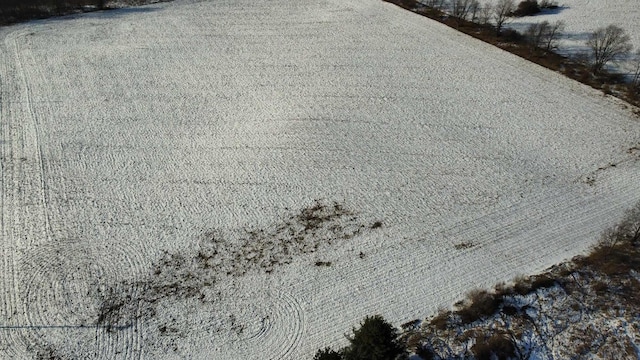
<point x="618" y="251"/>
<point x="480" y="304"/>
<point x="625" y="232"/>
<point x="527" y="7"/>
<point x="497" y="346"/>
<point x="542" y="281"/>
<point x="425" y="353"/>
<point x="441" y="320"/>
<point x="512" y="36"/>
<point x="376" y="339"/>
<point x="327" y="354"/>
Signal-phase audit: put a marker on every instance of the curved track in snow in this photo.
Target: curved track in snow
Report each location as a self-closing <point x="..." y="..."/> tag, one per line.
<point x="126" y="135"/>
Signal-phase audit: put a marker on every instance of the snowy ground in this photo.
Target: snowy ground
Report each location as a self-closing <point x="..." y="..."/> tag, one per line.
<point x="582" y="17"/>
<point x="177" y="177"/>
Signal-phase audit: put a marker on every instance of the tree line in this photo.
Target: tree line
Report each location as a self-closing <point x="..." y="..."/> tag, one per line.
<point x="540" y="40"/>
<point x="13" y="11"/>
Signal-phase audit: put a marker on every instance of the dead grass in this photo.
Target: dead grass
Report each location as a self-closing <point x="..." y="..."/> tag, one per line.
<point x="441" y="320"/>
<point x="464" y="245"/>
<point x="478" y="304"/>
<point x="571" y="310"/>
<point x="613" y="261"/>
<point x="192" y="274"/>
<point x="497" y="345"/>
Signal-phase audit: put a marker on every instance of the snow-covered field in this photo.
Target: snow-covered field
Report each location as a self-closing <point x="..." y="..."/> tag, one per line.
<point x="582" y="17"/>
<point x="204" y="179"/>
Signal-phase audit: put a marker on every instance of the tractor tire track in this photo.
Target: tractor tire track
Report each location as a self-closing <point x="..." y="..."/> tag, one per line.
<point x="275" y="322"/>
<point x="32" y="153"/>
<point x="45" y="279"/>
<point x="61" y="279"/>
<point x="20" y="210"/>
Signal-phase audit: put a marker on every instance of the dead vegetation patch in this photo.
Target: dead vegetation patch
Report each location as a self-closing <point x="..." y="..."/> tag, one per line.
<point x="464" y="245"/>
<point x="49" y="352"/>
<point x="478" y="304"/>
<point x="192" y="274"/>
<point x="583" y="307"/>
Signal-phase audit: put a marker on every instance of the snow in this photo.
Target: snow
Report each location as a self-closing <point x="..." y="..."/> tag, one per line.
<point x="173" y="132"/>
<point x="582" y="18"/>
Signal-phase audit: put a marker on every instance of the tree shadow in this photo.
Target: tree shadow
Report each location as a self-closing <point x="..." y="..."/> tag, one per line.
<point x="552" y="11"/>
<point x="112" y="13"/>
<point x="545" y="11"/>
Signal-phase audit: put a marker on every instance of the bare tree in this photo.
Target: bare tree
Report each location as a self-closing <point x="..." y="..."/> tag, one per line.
<point x="461" y="8"/>
<point x="485" y="14"/>
<point x="553" y="35"/>
<point x="501" y="13"/>
<point x="635" y="76"/>
<point x="535" y="33"/>
<point x="436" y="4"/>
<point x="473" y="10"/>
<point x="607" y="44"/>
<point x="626" y="231"/>
<point x="544" y="35"/>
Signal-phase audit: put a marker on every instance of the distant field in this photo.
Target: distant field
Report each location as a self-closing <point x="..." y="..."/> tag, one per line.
<point x="582" y="17"/>
<point x="227" y="179"/>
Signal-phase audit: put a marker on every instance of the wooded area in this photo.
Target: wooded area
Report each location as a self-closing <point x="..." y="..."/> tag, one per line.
<point x="13" y="11"/>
